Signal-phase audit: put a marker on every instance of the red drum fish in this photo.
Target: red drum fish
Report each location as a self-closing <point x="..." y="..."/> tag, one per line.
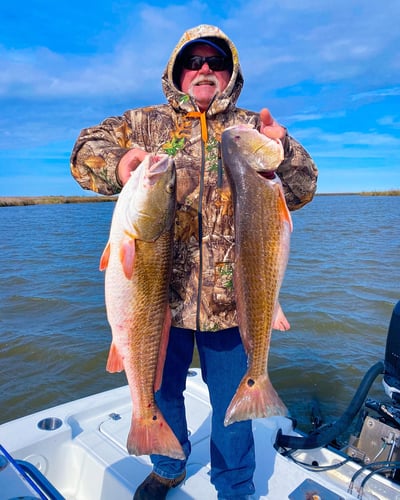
<point x="138" y="263"/>
<point x="262" y="237"/>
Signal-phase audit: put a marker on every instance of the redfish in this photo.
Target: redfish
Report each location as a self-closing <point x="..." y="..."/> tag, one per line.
<point x="262" y="225"/>
<point x="138" y="263"/>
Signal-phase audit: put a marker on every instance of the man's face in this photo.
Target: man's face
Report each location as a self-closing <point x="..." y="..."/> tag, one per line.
<point x="204" y="83"/>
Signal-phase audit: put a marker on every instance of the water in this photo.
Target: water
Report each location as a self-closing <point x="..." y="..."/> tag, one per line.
<point x="340" y="287"/>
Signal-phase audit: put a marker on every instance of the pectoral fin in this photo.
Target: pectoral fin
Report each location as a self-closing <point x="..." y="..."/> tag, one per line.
<point x="127" y="256"/>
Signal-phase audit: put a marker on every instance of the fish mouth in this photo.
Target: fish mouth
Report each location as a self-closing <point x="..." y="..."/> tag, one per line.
<point x="158" y="165"/>
<point x="270" y="175"/>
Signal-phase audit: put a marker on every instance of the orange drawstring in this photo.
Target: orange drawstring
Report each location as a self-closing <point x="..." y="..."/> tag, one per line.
<point x="203" y="123"/>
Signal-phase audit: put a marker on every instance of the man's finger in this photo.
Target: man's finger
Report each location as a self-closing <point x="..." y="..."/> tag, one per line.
<point x="266" y="117"/>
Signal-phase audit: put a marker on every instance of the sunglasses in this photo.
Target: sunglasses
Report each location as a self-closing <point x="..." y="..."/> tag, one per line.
<point x="215" y="63"/>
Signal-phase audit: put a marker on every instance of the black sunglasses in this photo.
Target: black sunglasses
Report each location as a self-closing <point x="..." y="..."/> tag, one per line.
<point x="215" y="63"/>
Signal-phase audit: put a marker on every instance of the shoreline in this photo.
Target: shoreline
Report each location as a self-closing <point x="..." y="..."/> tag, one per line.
<point x="20" y="201"/>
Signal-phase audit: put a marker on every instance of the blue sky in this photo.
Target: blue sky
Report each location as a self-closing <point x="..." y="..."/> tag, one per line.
<point x="328" y="70"/>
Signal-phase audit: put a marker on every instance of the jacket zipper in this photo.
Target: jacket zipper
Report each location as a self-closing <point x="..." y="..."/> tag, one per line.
<point x="200" y="221"/>
<point x="204" y="138"/>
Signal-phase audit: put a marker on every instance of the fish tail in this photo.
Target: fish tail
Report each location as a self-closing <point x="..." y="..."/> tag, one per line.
<point x="153" y="436"/>
<point x="254" y="398"/>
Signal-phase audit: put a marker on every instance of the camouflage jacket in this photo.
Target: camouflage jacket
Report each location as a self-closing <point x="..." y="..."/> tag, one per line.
<point x="201" y="295"/>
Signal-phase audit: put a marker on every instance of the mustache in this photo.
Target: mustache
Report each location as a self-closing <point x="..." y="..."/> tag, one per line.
<point x="202" y="78"/>
<point x="210" y="79"/>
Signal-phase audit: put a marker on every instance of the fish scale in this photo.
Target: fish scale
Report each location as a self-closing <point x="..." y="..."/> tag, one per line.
<point x="262" y="231"/>
<point x="148" y="275"/>
<point x="138" y="265"/>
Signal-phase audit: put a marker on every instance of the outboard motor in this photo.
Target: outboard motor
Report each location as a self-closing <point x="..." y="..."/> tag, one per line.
<point x="391" y="379"/>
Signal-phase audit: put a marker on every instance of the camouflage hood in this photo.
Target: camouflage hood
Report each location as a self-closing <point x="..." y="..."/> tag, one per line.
<point x="222" y="102"/>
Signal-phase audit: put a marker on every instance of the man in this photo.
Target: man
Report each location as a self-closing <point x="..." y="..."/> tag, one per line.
<point x="202" y="82"/>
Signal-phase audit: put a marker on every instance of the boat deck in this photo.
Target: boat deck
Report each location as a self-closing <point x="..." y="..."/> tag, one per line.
<point x="85" y="457"/>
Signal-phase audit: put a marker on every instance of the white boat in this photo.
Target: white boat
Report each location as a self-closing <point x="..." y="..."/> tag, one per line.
<point x="76" y="451"/>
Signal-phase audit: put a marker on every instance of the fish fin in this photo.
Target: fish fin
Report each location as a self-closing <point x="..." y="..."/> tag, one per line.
<point x="283" y="209"/>
<point x="127" y="256"/>
<point x="254" y="398"/>
<point x="153" y="436"/>
<point x="105" y="257"/>
<point x="279" y="320"/>
<point x="246" y="341"/>
<point x="114" y="361"/>
<point x="163" y="349"/>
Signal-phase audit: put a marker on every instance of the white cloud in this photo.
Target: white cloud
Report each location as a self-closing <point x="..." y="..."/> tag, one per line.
<point x="379" y="92"/>
<point x="389" y="120"/>
<point x="314" y="116"/>
<point x="280" y="43"/>
<point x="323" y="62"/>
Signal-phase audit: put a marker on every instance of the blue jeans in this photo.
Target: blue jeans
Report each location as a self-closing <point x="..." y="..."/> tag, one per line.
<point x="223" y="363"/>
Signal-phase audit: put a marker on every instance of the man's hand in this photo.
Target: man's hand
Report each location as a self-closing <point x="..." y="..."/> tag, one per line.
<point x="269" y="126"/>
<point x="128" y="163"/>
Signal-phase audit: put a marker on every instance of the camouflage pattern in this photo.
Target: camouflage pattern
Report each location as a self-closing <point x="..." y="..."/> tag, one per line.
<point x="201" y="295"/>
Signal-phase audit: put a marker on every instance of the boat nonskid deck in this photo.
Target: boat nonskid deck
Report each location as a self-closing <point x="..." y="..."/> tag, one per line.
<point x="80" y="448"/>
